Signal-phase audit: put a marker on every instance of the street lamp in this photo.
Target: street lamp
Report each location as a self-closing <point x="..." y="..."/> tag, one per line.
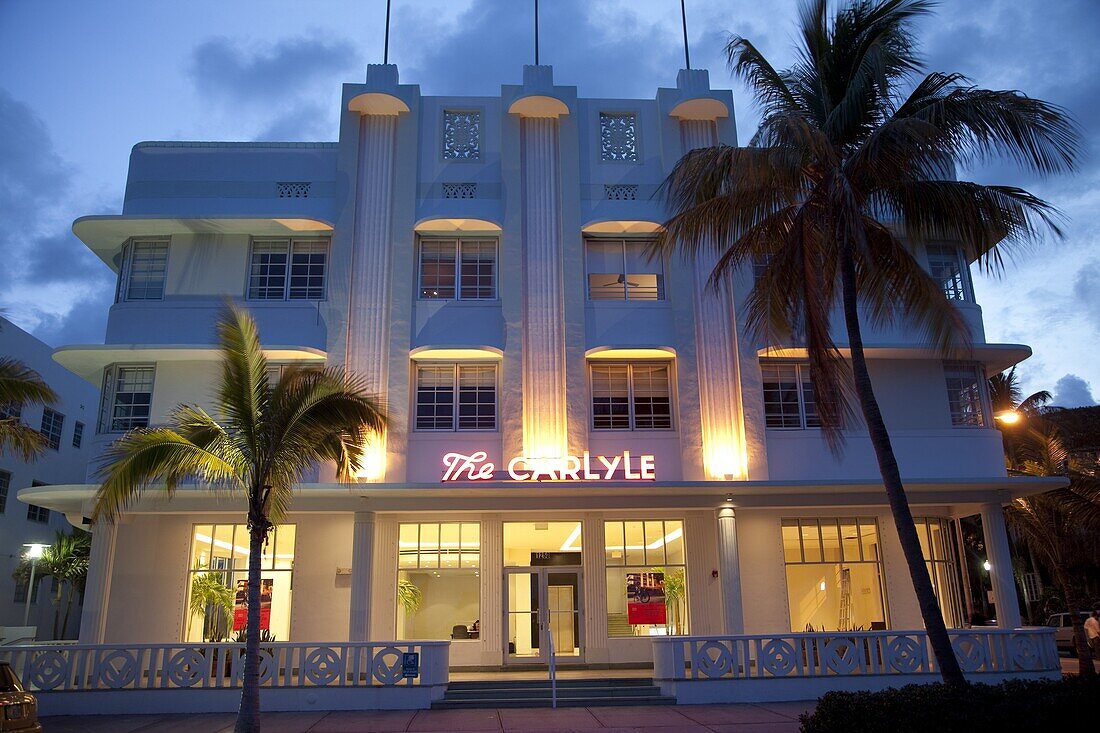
<point x="35" y="550"/>
<point x="1008" y="417"/>
<point x="986" y="566"/>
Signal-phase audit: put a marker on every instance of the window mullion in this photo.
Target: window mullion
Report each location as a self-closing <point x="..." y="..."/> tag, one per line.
<point x="458" y="276"/>
<point x="801" y="399"/>
<point x="626" y="287"/>
<point x="630" y="394"/>
<point x="457" y="386"/>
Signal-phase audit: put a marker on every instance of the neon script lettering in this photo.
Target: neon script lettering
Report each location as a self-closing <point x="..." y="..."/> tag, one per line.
<point x="585" y="467"/>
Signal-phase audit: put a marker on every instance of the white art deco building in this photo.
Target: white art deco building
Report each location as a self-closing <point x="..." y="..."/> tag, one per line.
<point x="480" y="260"/>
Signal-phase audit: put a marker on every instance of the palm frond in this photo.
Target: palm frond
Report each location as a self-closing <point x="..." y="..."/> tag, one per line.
<point x="161" y="456"/>
<point x="243" y="391"/>
<point x="21" y="385"/>
<point x="23" y="440"/>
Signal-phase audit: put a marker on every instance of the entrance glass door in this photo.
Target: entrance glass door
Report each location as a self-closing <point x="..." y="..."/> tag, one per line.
<point x="540" y="602"/>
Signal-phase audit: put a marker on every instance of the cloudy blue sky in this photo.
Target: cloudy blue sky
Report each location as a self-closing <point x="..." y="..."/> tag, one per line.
<point x="81" y="82"/>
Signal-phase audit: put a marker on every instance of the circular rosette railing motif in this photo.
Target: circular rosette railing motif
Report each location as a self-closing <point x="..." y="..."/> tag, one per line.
<point x="48" y="669"/>
<point x="1024" y="652"/>
<point x="713" y="660"/>
<point x="778" y="657"/>
<point x="386" y="665"/>
<point x="267" y="668"/>
<point x="187" y="667"/>
<point x="117" y="669"/>
<point x="323" y="666"/>
<point x="904" y="654"/>
<point x="841" y="655"/>
<point x="972" y="652"/>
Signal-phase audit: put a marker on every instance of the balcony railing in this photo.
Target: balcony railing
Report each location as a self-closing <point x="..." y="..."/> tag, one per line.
<point x="998" y="652"/>
<point x="81" y="667"/>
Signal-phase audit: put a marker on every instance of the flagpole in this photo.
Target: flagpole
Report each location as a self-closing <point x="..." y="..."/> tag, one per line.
<point x="386" y="48"/>
<point x="536" y="32"/>
<point x="684" y="21"/>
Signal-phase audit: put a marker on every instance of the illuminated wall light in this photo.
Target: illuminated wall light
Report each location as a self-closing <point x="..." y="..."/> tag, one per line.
<point x="726" y="463"/>
<point x="372" y="463"/>
<point x="821" y="586"/>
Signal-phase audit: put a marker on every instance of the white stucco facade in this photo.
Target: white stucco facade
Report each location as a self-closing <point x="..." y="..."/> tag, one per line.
<point x="21" y="524"/>
<point x="527" y="192"/>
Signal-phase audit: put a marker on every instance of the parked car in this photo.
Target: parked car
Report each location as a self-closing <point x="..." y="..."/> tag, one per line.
<point x="1064" y="630"/>
<point x="19" y="706"/>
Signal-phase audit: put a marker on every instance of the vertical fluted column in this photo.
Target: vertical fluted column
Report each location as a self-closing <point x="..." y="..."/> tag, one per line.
<point x="594" y="600"/>
<point x="544" y="419"/>
<point x="716" y="350"/>
<point x="97" y="588"/>
<point x="362" y="560"/>
<point x="729" y="570"/>
<point x="368" y="308"/>
<point x="492" y="589"/>
<point x="1000" y="567"/>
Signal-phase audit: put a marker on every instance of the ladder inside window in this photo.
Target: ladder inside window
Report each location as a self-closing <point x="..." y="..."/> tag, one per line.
<point x="845" y="621"/>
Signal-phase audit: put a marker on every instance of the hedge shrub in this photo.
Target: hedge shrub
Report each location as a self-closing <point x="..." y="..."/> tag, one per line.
<point x="1070" y="704"/>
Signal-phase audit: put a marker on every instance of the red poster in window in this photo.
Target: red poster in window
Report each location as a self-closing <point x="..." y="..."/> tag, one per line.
<point x="240" y="604"/>
<point x="645" y="598"/>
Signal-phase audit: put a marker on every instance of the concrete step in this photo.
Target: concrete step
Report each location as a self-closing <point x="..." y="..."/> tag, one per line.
<point x="589" y="692"/>
<point x="544" y="702"/>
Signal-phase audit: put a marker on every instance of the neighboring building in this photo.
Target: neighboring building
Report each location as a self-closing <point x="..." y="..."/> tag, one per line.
<point x="69" y="427"/>
<point x="482" y="261"/>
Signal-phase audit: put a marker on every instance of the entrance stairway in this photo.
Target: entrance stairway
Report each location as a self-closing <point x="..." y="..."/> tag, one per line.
<point x="536" y="693"/>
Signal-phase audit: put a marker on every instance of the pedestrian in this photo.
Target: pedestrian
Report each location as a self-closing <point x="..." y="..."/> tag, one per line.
<point x="1092" y="633"/>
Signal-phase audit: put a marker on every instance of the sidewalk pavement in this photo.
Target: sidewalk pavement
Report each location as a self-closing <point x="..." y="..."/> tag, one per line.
<point x="780" y="717"/>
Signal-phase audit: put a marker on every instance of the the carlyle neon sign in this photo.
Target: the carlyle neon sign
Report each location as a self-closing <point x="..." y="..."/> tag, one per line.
<point x="585" y="467"/>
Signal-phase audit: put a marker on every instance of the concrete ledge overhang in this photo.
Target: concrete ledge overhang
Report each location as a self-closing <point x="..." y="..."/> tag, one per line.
<point x="105" y="234"/>
<point x="547" y="496"/>
<point x="88" y="360"/>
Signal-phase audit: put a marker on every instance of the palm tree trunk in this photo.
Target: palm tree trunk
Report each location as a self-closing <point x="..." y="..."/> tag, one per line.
<point x="934" y="625"/>
<point x="248" y="716"/>
<point x="68" y="610"/>
<point x="56" y="609"/>
<point x="1073" y="605"/>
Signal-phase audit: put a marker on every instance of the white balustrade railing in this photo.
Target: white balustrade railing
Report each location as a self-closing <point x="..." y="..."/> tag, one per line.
<point x="68" y="667"/>
<point x="849" y="653"/>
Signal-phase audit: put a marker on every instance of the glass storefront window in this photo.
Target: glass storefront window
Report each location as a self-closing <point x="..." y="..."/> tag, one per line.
<point x="218" y="580"/>
<point x="645" y="566"/>
<point x="439" y="581"/>
<point x="834" y="574"/>
<point x="937" y="546"/>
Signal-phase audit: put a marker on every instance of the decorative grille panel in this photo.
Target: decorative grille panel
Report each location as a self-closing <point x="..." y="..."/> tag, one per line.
<point x="460" y="190"/>
<point x="618" y="136"/>
<point x="461" y="135"/>
<point x="621" y="192"/>
<point x="293" y="189"/>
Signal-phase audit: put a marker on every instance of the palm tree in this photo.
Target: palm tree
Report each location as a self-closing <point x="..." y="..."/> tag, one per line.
<point x="66" y="561"/>
<point x="212" y="599"/>
<point x="20" y="386"/>
<point x="852" y="164"/>
<point x="261" y="441"/>
<point x="1057" y="524"/>
<point x="1005" y="395"/>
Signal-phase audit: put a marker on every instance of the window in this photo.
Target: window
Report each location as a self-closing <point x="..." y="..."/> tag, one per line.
<point x="288" y="269"/>
<point x="5" y="484"/>
<point x="465" y="269"/>
<point x="788" y="396"/>
<point x="937" y="546"/>
<point x="619" y="136"/>
<point x="21" y="590"/>
<point x="619" y="269"/>
<point x="645" y="555"/>
<point x="461" y="135"/>
<point x="10" y="411"/>
<point x="444" y="391"/>
<point x="439" y="581"/>
<point x="946" y="265"/>
<point x="834" y="574"/>
<point x="127" y="398"/>
<point x="78" y="434"/>
<point x="145" y="263"/>
<point x="218" y="582"/>
<point x="632" y="396"/>
<point x="38" y="513"/>
<point x="53" y="422"/>
<point x="965" y="393"/>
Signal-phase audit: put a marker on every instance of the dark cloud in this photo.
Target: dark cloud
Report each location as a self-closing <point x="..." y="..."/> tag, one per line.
<point x="306" y="121"/>
<point x="1072" y="391"/>
<point x="1086" y="292"/>
<point x="489" y="43"/>
<point x="221" y="68"/>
